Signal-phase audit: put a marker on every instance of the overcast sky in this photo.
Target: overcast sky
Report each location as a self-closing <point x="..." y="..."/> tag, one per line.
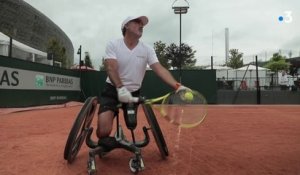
<point x="254" y="27"/>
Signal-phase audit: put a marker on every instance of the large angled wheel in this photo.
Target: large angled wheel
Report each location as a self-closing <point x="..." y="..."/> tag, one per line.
<point x="155" y="128"/>
<point x="80" y="129"/>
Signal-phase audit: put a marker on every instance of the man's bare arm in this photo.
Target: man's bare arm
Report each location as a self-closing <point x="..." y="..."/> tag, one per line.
<point x="111" y="66"/>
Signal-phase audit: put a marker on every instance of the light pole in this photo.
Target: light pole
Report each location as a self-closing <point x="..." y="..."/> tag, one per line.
<point x="79" y="53"/>
<point x="180" y="7"/>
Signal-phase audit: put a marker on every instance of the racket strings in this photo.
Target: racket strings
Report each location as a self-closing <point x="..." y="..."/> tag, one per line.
<point x="186" y="113"/>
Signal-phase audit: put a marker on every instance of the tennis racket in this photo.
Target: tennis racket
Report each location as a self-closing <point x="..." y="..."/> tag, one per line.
<point x="186" y="108"/>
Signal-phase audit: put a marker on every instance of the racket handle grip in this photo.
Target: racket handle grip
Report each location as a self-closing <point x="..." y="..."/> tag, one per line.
<point x="137" y="100"/>
<point x="134" y="100"/>
<point x="141" y="99"/>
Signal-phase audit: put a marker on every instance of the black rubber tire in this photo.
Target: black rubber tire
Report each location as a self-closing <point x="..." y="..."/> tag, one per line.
<point x="79" y="129"/>
<point x="133" y="168"/>
<point x="156" y="131"/>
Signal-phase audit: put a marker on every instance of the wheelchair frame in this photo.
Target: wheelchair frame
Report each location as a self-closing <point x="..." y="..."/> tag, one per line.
<point x="82" y="130"/>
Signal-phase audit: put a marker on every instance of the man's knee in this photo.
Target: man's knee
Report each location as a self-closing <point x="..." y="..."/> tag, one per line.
<point x="102" y="133"/>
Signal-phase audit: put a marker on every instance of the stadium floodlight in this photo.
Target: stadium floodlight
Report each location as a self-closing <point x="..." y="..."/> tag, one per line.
<point x="180" y="7"/>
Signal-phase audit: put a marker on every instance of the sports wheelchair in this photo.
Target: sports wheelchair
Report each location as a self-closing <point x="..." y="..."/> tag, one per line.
<point x="82" y="130"/>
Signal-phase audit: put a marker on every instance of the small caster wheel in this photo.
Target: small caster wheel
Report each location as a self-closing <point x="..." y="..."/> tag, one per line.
<point x="134" y="165"/>
<point x="92" y="167"/>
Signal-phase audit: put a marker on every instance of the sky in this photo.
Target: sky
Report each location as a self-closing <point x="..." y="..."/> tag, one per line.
<point x="254" y="25"/>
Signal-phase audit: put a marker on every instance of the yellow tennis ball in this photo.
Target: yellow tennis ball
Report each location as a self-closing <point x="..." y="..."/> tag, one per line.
<point x="188" y="96"/>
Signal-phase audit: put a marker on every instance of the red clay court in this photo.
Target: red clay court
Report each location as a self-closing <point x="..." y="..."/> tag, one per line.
<point x="234" y="139"/>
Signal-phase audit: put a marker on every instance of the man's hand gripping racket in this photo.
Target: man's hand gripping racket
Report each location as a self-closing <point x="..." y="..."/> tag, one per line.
<point x="186" y="108"/>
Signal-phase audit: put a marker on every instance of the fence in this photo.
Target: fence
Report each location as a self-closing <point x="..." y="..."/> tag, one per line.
<point x="24" y="83"/>
<point x="245" y="91"/>
<point x="272" y="83"/>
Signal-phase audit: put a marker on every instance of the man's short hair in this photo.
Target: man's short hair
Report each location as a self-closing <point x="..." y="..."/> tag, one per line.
<point x="124" y="31"/>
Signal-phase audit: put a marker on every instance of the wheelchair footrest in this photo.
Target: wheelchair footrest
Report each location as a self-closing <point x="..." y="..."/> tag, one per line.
<point x="108" y="143"/>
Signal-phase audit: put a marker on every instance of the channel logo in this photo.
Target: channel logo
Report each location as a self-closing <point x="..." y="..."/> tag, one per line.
<point x="286" y="18"/>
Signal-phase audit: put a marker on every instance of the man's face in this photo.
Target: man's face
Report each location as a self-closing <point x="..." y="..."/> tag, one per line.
<point x="135" y="27"/>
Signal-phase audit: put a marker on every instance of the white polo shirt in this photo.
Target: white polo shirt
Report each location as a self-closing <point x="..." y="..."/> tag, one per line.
<point x="132" y="63"/>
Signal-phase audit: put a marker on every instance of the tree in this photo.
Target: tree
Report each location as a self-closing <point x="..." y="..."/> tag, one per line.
<point x="277" y="62"/>
<point x="235" y="59"/>
<point x="160" y="50"/>
<point x="185" y="59"/>
<point x="87" y="60"/>
<point x="58" y="51"/>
